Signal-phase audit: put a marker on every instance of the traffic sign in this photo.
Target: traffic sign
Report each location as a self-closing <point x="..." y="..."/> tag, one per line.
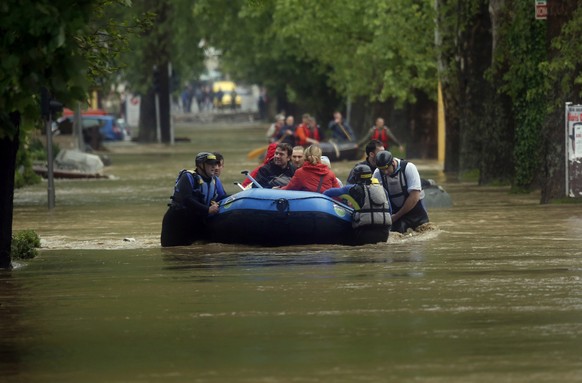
<point x="541" y="9"/>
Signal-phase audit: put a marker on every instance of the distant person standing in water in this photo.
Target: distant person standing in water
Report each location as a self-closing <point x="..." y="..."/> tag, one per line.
<point x="383" y="134"/>
<point x="307" y="132"/>
<point x="340" y="130"/>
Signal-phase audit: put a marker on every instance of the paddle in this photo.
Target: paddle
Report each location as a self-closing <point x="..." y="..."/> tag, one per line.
<point x="257" y="152"/>
<point x="242" y="187"/>
<point x="246" y="173"/>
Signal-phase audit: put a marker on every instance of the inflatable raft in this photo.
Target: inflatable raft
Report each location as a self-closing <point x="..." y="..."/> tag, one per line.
<point x="272" y="217"/>
<point x="434" y="195"/>
<point x="341" y="151"/>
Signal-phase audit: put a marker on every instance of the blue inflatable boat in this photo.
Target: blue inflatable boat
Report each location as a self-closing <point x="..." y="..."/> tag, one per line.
<point x="272" y="217"/>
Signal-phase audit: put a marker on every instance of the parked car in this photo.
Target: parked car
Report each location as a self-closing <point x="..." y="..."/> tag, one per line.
<point x="108" y="126"/>
<point x="226" y="87"/>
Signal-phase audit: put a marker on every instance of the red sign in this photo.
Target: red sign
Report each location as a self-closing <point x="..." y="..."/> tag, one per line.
<point x="541" y="9"/>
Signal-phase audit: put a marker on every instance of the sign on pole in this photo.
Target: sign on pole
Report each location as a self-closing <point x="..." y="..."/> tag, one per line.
<point x="573" y="141"/>
<point x="132" y="108"/>
<point x="541" y="9"/>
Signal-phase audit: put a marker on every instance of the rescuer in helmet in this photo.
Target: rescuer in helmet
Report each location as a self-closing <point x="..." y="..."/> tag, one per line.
<point x="195" y="198"/>
<point x="372" y="215"/>
<point x="401" y="180"/>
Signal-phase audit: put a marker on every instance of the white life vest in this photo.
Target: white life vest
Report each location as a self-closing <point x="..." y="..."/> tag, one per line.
<point x="375" y="210"/>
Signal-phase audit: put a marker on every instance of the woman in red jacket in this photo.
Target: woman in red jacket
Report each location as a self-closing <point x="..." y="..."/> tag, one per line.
<point x="313" y="175"/>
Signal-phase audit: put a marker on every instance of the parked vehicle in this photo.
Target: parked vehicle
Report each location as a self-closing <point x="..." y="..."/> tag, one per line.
<point x="227" y="87"/>
<point x="109" y="127"/>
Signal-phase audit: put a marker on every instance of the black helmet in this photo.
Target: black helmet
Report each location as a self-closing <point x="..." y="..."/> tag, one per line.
<point x="384" y="159"/>
<point x="205" y="158"/>
<point x="362" y="173"/>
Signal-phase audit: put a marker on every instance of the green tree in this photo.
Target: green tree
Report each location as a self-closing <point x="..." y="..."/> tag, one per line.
<point x="464" y="46"/>
<point x="368" y="51"/>
<point x="518" y="55"/>
<point x="55" y="44"/>
<point x="564" y="76"/>
<point x="171" y="42"/>
<point x="377" y="49"/>
<point x="252" y="51"/>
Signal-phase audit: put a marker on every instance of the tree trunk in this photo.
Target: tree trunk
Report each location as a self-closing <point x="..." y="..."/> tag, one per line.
<point x="422" y="140"/>
<point x="157" y="55"/>
<point x="453" y="126"/>
<point x="449" y="19"/>
<point x="147" y="118"/>
<point x="495" y="127"/>
<point x="165" y="104"/>
<point x="486" y="131"/>
<point x="8" y="150"/>
<point x="478" y="134"/>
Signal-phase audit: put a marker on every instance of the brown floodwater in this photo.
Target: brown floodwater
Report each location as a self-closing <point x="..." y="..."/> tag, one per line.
<point x="492" y="292"/>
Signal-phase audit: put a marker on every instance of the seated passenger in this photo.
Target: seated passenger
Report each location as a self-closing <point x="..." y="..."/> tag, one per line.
<point x="297" y="157"/>
<point x="372" y="216"/>
<point x="218" y="171"/>
<point x="268" y="157"/>
<point x="279" y="170"/>
<point x="195" y="198"/>
<point x="372" y="149"/>
<point x="325" y="160"/>
<point x="313" y="175"/>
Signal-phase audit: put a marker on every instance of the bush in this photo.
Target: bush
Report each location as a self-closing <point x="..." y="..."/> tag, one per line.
<point x="24" y="244"/>
<point x="28" y="152"/>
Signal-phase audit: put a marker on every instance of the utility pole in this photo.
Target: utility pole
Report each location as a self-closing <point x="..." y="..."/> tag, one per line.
<point x="78" y="124"/>
<point x="157" y="103"/>
<point x="170" y="78"/>
<point x="47" y="108"/>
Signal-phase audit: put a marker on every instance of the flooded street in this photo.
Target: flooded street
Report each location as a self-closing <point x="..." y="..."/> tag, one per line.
<point x="492" y="294"/>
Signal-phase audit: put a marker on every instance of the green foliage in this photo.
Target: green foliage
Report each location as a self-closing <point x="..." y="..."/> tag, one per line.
<point x="471" y="175"/>
<point x="520" y="55"/>
<point x="564" y="68"/>
<point x="37" y="150"/>
<point x="54" y="44"/>
<point x="38" y="48"/>
<point x="25" y="244"/>
<point x="171" y="35"/>
<point x="28" y="152"/>
<point x="376" y="49"/>
<point x="114" y="25"/>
